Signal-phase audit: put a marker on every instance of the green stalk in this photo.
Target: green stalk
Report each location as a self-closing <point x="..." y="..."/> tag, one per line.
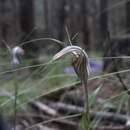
<point x="15" y="99"/>
<point x="86" y="113"/>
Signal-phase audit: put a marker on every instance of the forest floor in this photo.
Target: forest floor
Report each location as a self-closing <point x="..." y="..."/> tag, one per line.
<point x="63" y="109"/>
<point x="50" y="99"/>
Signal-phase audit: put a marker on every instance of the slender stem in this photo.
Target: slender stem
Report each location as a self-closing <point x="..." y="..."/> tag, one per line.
<point x="87" y="113"/>
<point x="15" y="100"/>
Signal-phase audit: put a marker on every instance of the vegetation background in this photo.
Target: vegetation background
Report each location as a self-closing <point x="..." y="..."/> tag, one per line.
<point x="39" y="94"/>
